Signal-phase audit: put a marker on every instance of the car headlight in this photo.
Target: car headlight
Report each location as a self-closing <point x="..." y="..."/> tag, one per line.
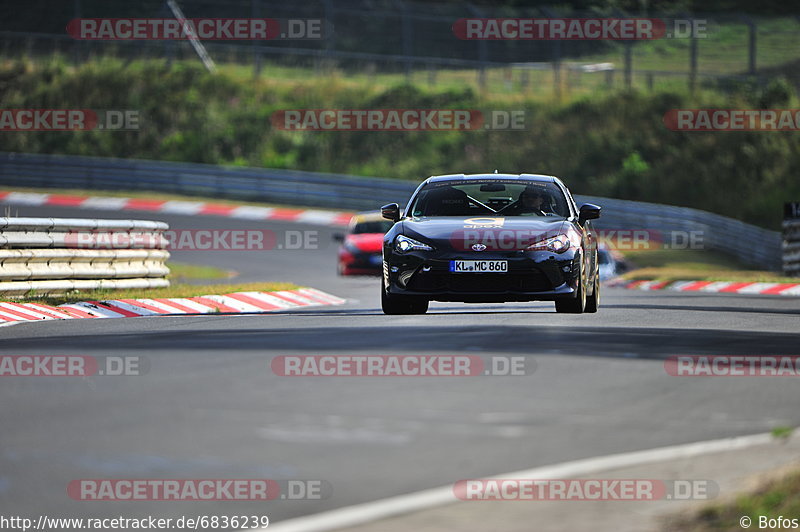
<point x="403" y="244"/>
<point x="556" y="244"/>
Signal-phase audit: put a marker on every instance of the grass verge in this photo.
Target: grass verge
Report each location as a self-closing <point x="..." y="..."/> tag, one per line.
<point x="695" y="265"/>
<point x="782" y="432"/>
<point x="175" y="290"/>
<point x="180" y="272"/>
<point x="778" y="497"/>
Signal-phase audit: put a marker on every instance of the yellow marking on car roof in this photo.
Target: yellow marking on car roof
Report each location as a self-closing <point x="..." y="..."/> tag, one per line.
<point x="367" y="217"/>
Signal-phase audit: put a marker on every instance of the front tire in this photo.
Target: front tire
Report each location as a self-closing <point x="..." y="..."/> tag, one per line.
<point x="573" y="305"/>
<point x="593" y="301"/>
<point x="395" y="305"/>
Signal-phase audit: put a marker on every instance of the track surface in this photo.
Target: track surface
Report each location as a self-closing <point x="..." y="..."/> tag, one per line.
<point x="210" y="407"/>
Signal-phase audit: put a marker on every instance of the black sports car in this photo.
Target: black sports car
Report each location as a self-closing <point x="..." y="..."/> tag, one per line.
<point x="487" y="238"/>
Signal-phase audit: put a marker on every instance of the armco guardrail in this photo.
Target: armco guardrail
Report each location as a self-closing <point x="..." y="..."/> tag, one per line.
<point x="749" y="243"/>
<point x="276" y="186"/>
<point x="54" y="255"/>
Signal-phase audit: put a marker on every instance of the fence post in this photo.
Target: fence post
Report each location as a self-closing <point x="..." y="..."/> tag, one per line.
<point x="76" y="46"/>
<point x="628" y="64"/>
<point x="372" y="70"/>
<point x="408" y="38"/>
<point x="692" y="61"/>
<point x="751" y="45"/>
<point x="330" y="45"/>
<point x="557" y="78"/>
<point x="169" y="44"/>
<point x="255" y="9"/>
<point x="482" y="52"/>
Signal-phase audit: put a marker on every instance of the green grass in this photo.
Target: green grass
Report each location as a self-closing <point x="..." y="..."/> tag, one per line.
<point x="691" y="265"/>
<point x="186" y="280"/>
<point x="684" y="258"/>
<point x="175" y="290"/>
<point x="777" y="497"/>
<point x="179" y="272"/>
<point x="782" y="432"/>
<point x="724" y="49"/>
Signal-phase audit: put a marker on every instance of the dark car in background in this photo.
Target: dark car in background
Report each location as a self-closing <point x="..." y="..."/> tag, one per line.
<point x="360" y="249"/>
<point x="487" y="238"/>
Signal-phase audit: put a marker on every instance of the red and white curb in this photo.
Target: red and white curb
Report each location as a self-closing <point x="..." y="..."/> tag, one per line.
<point x="236" y="303"/>
<point x="731" y="287"/>
<point x="248" y="212"/>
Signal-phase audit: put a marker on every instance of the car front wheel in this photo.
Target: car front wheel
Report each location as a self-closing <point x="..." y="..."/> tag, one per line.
<point x="573" y="305"/>
<point x="593" y="301"/>
<point x="394" y="305"/>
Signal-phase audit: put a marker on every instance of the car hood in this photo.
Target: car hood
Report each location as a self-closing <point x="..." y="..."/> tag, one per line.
<point x="496" y="233"/>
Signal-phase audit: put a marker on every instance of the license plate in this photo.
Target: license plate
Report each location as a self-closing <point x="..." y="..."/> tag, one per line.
<point x="478" y="266"/>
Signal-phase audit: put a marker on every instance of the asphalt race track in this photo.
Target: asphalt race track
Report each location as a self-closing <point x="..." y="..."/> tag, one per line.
<point x="210" y="406"/>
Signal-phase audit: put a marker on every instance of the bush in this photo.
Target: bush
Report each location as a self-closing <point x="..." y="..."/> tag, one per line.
<point x="613" y="144"/>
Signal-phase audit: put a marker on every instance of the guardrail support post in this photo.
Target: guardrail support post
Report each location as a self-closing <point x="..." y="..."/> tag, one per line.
<point x="791" y="239"/>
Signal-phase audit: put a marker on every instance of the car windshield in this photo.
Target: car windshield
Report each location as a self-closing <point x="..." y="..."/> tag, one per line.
<point x="490" y="197"/>
<point x="372" y="226"/>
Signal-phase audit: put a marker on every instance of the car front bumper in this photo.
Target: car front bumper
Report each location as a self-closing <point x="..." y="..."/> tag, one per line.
<point x="536" y="275"/>
<point x="360" y="264"/>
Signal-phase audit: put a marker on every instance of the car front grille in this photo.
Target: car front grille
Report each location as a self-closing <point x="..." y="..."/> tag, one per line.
<point x="479" y="282"/>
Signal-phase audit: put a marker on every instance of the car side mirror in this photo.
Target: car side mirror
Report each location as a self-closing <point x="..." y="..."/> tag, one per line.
<point x="338" y="237"/>
<point x="391" y="212"/>
<point x="588" y="211"/>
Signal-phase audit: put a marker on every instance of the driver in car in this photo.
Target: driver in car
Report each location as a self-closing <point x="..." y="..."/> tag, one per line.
<point x="530" y="201"/>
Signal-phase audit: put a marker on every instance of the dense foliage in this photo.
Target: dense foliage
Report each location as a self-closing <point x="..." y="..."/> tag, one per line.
<point x="610" y="145"/>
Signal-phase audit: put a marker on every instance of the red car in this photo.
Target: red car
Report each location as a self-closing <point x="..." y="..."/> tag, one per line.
<point x="361" y="249"/>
